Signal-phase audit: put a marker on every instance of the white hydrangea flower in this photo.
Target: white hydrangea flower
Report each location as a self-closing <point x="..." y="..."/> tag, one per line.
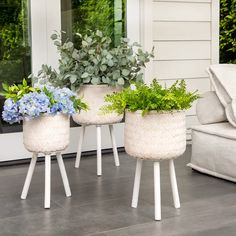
<point x="133" y="87"/>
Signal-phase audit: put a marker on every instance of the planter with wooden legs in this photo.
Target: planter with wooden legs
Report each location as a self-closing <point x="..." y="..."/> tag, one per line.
<point x="47" y="134"/>
<point x="94" y="95"/>
<point x="155" y="137"/>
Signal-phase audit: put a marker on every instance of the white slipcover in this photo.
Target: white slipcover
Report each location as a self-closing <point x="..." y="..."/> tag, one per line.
<point x="214" y="150"/>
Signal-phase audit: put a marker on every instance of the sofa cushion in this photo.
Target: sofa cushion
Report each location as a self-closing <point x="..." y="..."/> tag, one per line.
<point x="223" y="78"/>
<point x="214" y="150"/>
<point x="224" y="130"/>
<point x="209" y="109"/>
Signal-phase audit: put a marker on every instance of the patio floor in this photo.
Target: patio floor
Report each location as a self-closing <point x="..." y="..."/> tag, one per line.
<point x="101" y="206"/>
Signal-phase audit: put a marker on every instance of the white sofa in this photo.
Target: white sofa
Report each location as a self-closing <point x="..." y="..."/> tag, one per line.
<point x="214" y="141"/>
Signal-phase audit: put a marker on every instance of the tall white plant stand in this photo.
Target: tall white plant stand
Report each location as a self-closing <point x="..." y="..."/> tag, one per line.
<point x="156" y="137"/>
<point x="94" y="96"/>
<point x="157" y="188"/>
<point x="99" y="147"/>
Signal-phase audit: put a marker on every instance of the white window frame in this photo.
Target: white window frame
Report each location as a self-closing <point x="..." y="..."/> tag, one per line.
<point x="45" y="18"/>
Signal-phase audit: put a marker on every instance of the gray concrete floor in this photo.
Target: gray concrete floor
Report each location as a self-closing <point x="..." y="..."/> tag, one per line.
<point x="101" y="206"/>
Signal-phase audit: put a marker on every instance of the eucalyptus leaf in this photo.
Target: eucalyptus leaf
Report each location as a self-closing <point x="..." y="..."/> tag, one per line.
<point x="84" y="75"/>
<point x="73" y="78"/>
<point x="54" y="36"/>
<point x="94" y="60"/>
<point x="75" y="55"/>
<point x="95" y="80"/>
<point x="139" y="77"/>
<point x="125" y="72"/>
<point x="103" y="67"/>
<point x="121" y="81"/>
<point x="116" y="75"/>
<point x="87" y="80"/>
<point x="110" y="63"/>
<point x="57" y="43"/>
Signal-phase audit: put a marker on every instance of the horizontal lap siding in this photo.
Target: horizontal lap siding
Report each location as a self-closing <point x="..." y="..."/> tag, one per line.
<point x="181" y="31"/>
<point x="182" y="38"/>
<point x="181" y="11"/>
<point x="182" y="50"/>
<point x="195" y="1"/>
<point x="182" y="69"/>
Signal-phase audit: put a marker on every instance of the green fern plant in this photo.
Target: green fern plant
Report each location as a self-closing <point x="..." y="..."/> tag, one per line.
<point x="148" y="98"/>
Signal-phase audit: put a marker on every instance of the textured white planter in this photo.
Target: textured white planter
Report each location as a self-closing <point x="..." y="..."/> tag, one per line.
<point x="47" y="133"/>
<point x="156" y="135"/>
<point x="94" y="96"/>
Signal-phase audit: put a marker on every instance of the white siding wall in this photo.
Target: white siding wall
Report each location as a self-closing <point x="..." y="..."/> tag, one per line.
<point x="185" y="34"/>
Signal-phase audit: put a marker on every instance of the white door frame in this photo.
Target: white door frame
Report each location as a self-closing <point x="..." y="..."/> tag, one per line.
<point x="45" y="18"/>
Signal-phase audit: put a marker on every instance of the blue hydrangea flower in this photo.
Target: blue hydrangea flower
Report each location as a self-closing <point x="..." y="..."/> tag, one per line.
<point x="63" y="101"/>
<point x="10" y="112"/>
<point x="36" y="103"/>
<point x="33" y="104"/>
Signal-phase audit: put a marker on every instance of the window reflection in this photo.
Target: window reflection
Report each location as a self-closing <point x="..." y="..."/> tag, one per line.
<point x="109" y="16"/>
<point x="15" y="53"/>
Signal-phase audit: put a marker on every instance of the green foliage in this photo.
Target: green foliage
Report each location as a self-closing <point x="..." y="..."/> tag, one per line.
<point x="149" y="98"/>
<point x="47" y="73"/>
<point x="106" y="15"/>
<point x="95" y="61"/>
<point x="228" y="31"/>
<point x="79" y="104"/>
<point x="16" y="92"/>
<point x="15" y="62"/>
<point x="14" y="30"/>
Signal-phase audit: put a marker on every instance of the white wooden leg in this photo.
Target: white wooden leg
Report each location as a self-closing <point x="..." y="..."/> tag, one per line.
<point x="174" y="184"/>
<point x="29" y="176"/>
<point x="113" y="140"/>
<point x="99" y="151"/>
<point x="47" y="194"/>
<point x="157" y="191"/>
<point x="81" y="138"/>
<point x="137" y="183"/>
<point x="63" y="174"/>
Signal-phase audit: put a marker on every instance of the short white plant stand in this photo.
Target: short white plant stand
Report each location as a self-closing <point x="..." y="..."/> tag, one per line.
<point x="99" y="147"/>
<point x="47" y="194"/>
<point x="47" y="134"/>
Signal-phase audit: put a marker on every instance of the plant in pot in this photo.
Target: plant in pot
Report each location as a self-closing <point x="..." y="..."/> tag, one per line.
<point x="45" y="112"/>
<point x="154" y="128"/>
<point x="95" y="68"/>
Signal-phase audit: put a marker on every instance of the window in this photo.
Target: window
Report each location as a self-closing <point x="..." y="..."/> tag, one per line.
<point x="16" y="48"/>
<point x="15" y="53"/>
<point x="109" y="16"/>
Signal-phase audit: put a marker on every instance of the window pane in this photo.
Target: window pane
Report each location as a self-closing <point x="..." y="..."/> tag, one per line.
<point x="109" y="16"/>
<point x="15" y="58"/>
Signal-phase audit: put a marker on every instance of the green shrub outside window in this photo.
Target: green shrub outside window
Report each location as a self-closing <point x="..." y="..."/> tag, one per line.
<point x="108" y="16"/>
<point x="228" y="31"/>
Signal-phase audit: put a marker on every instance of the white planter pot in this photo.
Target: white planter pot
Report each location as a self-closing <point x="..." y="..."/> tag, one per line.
<point x="47" y="133"/>
<point x="155" y="135"/>
<point x="94" y="95"/>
